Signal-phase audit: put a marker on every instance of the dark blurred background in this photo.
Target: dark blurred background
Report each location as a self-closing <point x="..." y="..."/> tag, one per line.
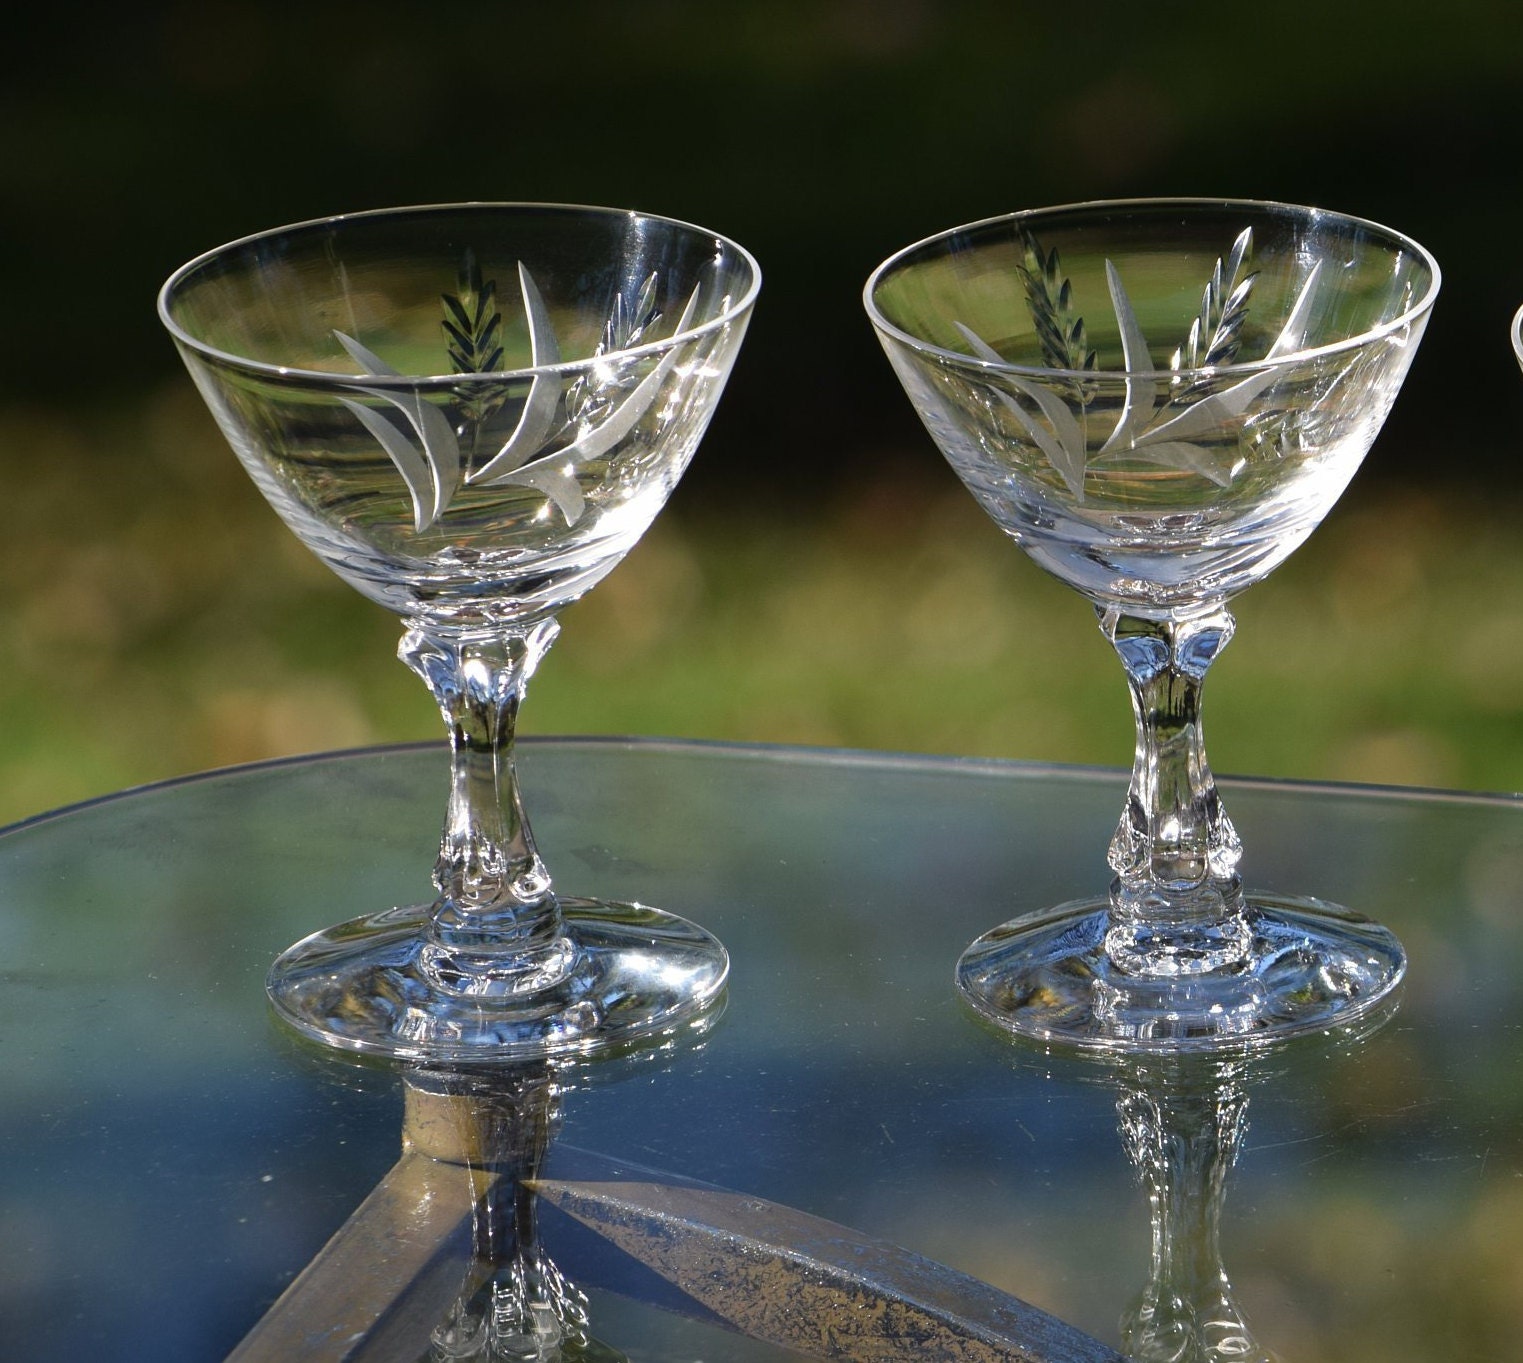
<point x="819" y="576"/>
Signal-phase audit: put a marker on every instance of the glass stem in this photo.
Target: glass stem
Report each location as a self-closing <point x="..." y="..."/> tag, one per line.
<point x="1177" y="903"/>
<point x="496" y="927"/>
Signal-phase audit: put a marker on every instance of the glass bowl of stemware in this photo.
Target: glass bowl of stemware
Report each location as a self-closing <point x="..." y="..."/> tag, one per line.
<point x="1159" y="400"/>
<point x="470" y="413"/>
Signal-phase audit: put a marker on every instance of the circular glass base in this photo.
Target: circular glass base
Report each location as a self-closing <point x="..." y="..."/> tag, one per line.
<point x="1309" y="966"/>
<point x="364" y="986"/>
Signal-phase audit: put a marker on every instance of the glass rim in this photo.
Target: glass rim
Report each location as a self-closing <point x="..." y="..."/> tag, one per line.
<point x="412" y="382"/>
<point x="1401" y="239"/>
<point x="1517" y="334"/>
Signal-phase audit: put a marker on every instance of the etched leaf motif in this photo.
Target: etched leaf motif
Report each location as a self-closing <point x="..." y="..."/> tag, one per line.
<point x="1273" y="431"/>
<point x="554" y="473"/>
<point x="410" y="464"/>
<point x="1151" y="432"/>
<point x="368" y="361"/>
<point x="1201" y="417"/>
<point x="624" y="329"/>
<point x="472" y="328"/>
<point x="600" y="410"/>
<point x="472" y="325"/>
<point x="1180" y="454"/>
<point x="556" y="478"/>
<point x="1063" y="443"/>
<point x="604" y="417"/>
<point x="1293" y="334"/>
<point x="431" y="469"/>
<point x="1215" y="333"/>
<point x="537" y="418"/>
<point x="1165" y="419"/>
<point x="1141" y="388"/>
<point x="621" y="419"/>
<point x="1049" y="295"/>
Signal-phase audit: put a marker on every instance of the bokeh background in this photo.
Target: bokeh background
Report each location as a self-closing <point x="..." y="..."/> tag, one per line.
<point x="819" y="577"/>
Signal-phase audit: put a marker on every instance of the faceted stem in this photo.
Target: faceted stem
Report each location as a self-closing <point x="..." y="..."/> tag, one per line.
<point x="1177" y="903"/>
<point x="496" y="928"/>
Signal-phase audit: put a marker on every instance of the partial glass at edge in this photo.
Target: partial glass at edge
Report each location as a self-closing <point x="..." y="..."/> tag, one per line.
<point x="470" y="413"/>
<point x="1159" y="401"/>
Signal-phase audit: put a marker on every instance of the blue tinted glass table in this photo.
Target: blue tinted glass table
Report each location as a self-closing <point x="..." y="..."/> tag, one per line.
<point x="171" y="1163"/>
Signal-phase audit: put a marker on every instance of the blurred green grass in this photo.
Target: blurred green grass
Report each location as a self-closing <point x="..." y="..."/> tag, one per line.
<point x="161" y="621"/>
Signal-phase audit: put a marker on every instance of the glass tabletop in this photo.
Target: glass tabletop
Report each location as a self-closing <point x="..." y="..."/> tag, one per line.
<point x="171" y="1163"/>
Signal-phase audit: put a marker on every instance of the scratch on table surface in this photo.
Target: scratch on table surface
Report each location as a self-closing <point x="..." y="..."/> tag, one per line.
<point x="1353" y="1124"/>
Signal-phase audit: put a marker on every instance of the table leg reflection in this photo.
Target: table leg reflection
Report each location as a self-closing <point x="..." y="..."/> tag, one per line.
<point x="513" y="1304"/>
<point x="443" y="1261"/>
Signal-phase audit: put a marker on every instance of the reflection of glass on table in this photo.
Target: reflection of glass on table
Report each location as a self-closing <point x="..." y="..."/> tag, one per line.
<point x="1183" y="1119"/>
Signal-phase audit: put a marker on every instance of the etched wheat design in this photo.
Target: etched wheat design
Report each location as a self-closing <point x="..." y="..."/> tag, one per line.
<point x="473" y="340"/>
<point x="1216" y="333"/>
<point x="472" y="325"/>
<point x="589" y="394"/>
<point x="1049" y="295"/>
<point x="560" y="427"/>
<point x="1162" y="423"/>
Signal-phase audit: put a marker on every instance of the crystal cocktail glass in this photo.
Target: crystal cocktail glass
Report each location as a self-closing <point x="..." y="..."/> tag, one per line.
<point x="1159" y="401"/>
<point x="471" y="413"/>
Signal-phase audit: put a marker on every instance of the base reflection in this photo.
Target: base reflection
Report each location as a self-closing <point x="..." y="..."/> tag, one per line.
<point x="1182" y="1123"/>
<point x="514" y="1305"/>
<point x="1183" y="1115"/>
<point x="1183" y="1118"/>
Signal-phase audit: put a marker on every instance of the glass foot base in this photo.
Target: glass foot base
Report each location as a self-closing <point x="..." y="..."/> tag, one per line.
<point x="1310" y="966"/>
<point x="361" y="986"/>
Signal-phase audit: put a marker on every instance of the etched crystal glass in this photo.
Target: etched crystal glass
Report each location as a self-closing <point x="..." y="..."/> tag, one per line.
<point x="470" y="413"/>
<point x="1158" y="401"/>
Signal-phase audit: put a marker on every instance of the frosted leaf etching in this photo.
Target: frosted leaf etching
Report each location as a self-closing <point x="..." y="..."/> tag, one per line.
<point x="1062" y="441"/>
<point x="432" y="468"/>
<point x="553" y="473"/>
<point x="588" y="396"/>
<point x="473" y="337"/>
<point x="560" y="425"/>
<point x="1165" y="417"/>
<point x="1049" y="295"/>
<point x="1214" y="334"/>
